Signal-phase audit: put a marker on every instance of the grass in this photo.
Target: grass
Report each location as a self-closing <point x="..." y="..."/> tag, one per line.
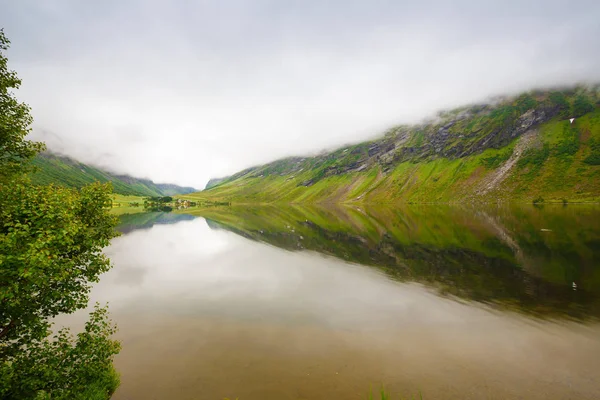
<point x="123" y="204"/>
<point x="63" y="171"/>
<point x="383" y="395"/>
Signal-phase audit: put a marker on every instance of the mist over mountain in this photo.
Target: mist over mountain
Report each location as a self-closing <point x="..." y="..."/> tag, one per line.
<point x="184" y="91"/>
<point x="539" y="145"/>
<point x="52" y="168"/>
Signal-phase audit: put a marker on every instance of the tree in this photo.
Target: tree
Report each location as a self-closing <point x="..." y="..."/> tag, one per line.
<point x="15" y="121"/>
<point x="65" y="367"/>
<point x="51" y="242"/>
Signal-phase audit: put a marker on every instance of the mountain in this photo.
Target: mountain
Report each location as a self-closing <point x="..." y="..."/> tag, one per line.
<point x="65" y="171"/>
<point x="214" y="182"/>
<point x="170" y="189"/>
<point x="519" y="148"/>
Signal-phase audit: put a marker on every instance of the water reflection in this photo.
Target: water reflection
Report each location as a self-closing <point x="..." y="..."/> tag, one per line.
<point x="205" y="313"/>
<point x="541" y="261"/>
<point x="146" y="220"/>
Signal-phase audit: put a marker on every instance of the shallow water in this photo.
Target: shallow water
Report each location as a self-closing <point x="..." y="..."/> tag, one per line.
<point x="321" y="303"/>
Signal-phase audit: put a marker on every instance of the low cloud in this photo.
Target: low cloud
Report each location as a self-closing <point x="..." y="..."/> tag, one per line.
<point x="183" y="92"/>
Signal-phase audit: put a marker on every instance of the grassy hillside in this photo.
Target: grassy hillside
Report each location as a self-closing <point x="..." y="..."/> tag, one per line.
<point x="521" y="149"/>
<point x="64" y="171"/>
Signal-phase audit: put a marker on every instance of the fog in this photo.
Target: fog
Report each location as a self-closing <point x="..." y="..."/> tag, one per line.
<point x="184" y="91"/>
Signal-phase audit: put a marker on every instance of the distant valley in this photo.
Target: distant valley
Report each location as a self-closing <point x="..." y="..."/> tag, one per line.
<point x="51" y="168"/>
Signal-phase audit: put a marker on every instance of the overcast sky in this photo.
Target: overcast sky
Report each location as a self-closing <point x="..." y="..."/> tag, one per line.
<point x="182" y="91"/>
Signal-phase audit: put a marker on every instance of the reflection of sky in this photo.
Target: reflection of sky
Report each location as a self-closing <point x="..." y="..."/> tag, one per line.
<point x="189" y="268"/>
<point x="208" y="311"/>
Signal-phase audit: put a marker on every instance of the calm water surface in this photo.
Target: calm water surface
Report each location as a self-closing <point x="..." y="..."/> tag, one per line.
<point x="324" y="303"/>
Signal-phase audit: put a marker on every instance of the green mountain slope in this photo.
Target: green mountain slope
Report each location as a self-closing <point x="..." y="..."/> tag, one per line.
<point x="520" y="148"/>
<point x="64" y="171"/>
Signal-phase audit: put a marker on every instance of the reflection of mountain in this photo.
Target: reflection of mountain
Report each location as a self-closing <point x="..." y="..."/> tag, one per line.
<point x="498" y="256"/>
<point x="132" y="222"/>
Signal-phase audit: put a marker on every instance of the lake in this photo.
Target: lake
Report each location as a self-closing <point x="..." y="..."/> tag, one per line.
<point x="328" y="302"/>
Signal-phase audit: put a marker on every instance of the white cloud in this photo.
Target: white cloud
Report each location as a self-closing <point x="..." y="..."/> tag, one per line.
<point x="181" y="93"/>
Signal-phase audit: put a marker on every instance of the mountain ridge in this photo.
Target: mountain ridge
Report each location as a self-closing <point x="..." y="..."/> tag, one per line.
<point x="50" y="167"/>
<point x="480" y="152"/>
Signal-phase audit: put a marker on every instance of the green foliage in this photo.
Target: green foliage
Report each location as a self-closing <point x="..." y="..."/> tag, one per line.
<point x="594" y="157"/>
<point x="496" y="160"/>
<point x="582" y="105"/>
<point x="159" y="199"/>
<point x="567" y="147"/>
<point x="418" y="138"/>
<point x="15" y="121"/>
<point x="51" y="242"/>
<point x="538" y="200"/>
<point x="559" y="100"/>
<point x="159" y="203"/>
<point x="501" y="118"/>
<point x="534" y="157"/>
<point x="384" y="395"/>
<point x="65" y="367"/>
<point x="525" y="102"/>
<point x="568" y="142"/>
<point x="445" y="160"/>
<point x="49" y="169"/>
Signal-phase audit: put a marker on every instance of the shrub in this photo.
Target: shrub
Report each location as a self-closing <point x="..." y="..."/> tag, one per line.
<point x="567" y="147"/>
<point x="65" y="367"/>
<point x="51" y="241"/>
<point x="496" y="160"/>
<point x="559" y="100"/>
<point x="535" y="157"/>
<point x="582" y="105"/>
<point x="525" y="102"/>
<point x="594" y="157"/>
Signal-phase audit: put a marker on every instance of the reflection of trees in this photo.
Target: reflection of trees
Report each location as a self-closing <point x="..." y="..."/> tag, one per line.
<point x="146" y="220"/>
<point x="499" y="256"/>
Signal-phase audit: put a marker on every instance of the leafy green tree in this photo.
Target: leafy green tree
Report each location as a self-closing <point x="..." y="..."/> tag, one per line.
<point x="51" y="242"/>
<point x="65" y="367"/>
<point x="15" y="121"/>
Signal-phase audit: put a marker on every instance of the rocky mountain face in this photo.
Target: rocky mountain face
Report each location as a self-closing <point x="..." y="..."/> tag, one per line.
<point x="452" y="151"/>
<point x="65" y="171"/>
